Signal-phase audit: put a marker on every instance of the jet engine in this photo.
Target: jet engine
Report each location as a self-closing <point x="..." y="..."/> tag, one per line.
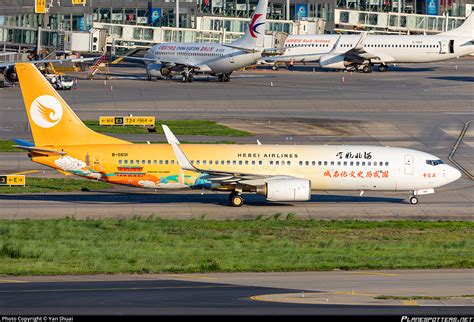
<point x="10" y="74"/>
<point x="286" y="190"/>
<point x="157" y="70"/>
<point x="334" y="61"/>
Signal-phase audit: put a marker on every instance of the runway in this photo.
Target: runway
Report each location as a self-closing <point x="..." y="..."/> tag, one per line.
<point x="422" y="107"/>
<point x="345" y="293"/>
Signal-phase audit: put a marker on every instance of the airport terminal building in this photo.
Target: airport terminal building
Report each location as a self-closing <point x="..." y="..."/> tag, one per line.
<point x="142" y="22"/>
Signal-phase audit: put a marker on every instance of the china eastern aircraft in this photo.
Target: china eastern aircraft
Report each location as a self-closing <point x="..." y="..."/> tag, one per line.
<point x="278" y="172"/>
<point x="221" y="60"/>
<point x="362" y="52"/>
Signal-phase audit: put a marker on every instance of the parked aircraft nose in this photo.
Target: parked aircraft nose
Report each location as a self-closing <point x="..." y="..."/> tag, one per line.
<point x="452" y="174"/>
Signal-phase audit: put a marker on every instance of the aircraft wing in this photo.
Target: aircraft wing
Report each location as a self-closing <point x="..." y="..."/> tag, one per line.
<point x="359" y="52"/>
<point x="74" y="60"/>
<point x="248" y="50"/>
<point x="216" y="176"/>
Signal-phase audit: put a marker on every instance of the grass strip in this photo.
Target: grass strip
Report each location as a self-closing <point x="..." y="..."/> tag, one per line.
<point x="179" y="127"/>
<point x="45" y="185"/>
<point x="154" y="245"/>
<point x="7" y="146"/>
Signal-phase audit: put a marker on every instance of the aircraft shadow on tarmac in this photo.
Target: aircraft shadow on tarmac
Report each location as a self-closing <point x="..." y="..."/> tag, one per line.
<point x="469" y="79"/>
<point x="99" y="197"/>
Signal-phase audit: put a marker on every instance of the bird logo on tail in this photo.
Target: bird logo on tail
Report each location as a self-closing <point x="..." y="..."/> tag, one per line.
<point x="46" y="111"/>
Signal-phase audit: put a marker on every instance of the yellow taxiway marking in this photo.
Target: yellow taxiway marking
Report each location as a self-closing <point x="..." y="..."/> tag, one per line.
<point x="410" y="302"/>
<point x="374" y="273"/>
<point x="12" y="281"/>
<point x="25" y="172"/>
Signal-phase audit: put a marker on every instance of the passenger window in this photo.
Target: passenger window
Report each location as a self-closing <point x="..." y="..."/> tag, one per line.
<point x="271" y="162"/>
<point x="332" y="162"/>
<point x="131" y="161"/>
<point x="301" y="163"/>
<point x="222" y="162"/>
<point x="240" y="162"/>
<point x="192" y="161"/>
<point x="260" y="162"/>
<point x="172" y="161"/>
<point x="277" y="162"/>
<point x="352" y="163"/>
<point x="307" y="162"/>
<point x="338" y="162"/>
<point x="253" y="162"/>
<point x="325" y="163"/>
<point x="120" y="161"/>
<point x="210" y="162"/>
<point x="357" y="163"/>
<point x="319" y="163"/>
<point x="313" y="163"/>
<point x="166" y="162"/>
<point x="345" y="163"/>
<point x="228" y="162"/>
<point x="204" y="162"/>
<point x="149" y="161"/>
<point x="198" y="162"/>
<point x="246" y="162"/>
<point x="288" y="163"/>
<point x="369" y="163"/>
<point x="125" y="162"/>
<point x="363" y="163"/>
<point x="386" y="164"/>
<point x="234" y="162"/>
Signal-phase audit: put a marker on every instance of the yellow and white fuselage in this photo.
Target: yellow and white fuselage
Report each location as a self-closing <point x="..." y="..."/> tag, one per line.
<point x="279" y="172"/>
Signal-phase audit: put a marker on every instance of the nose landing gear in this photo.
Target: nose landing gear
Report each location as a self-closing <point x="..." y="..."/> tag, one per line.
<point x="414" y="200"/>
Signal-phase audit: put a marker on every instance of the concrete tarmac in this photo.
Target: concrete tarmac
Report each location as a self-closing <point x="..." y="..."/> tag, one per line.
<point x="422" y="107"/>
<point x="446" y="292"/>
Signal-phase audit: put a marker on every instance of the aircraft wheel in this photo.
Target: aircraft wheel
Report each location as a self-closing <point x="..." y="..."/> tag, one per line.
<point x="184" y="78"/>
<point x="220" y="77"/>
<point x="236" y="199"/>
<point x="413" y="200"/>
<point x="383" y="68"/>
<point x="148" y="77"/>
<point x="190" y="77"/>
<point x="226" y="78"/>
<point x="367" y="69"/>
<point x="274" y="67"/>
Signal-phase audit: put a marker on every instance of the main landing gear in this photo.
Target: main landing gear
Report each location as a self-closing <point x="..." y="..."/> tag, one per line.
<point x="367" y="68"/>
<point x="224" y="77"/>
<point x="236" y="199"/>
<point x="383" y="68"/>
<point x="187" y="76"/>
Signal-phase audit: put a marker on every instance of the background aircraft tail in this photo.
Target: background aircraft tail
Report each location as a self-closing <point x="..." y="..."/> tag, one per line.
<point x="255" y="33"/>
<point x="465" y="30"/>
<point x="51" y="119"/>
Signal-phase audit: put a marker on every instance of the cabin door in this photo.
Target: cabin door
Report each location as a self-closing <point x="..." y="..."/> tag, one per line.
<point x="408" y="164"/>
<point x="97" y="162"/>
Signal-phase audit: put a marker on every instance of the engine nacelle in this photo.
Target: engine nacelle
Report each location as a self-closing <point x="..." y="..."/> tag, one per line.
<point x="286" y="190"/>
<point x="334" y="61"/>
<point x="157" y="70"/>
<point x="10" y="74"/>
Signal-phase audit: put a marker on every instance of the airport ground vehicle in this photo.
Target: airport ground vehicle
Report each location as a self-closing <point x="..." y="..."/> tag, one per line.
<point x="61" y="81"/>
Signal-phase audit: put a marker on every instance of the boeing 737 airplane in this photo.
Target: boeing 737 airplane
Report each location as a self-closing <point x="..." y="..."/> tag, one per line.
<point x="209" y="58"/>
<point x="278" y="172"/>
<point x="361" y="52"/>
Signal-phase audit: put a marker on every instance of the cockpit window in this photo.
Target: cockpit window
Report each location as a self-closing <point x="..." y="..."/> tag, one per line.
<point x="434" y="162"/>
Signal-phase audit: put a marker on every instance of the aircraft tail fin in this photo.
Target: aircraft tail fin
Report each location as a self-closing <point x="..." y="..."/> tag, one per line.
<point x="52" y="121"/>
<point x="255" y="33"/>
<point x="466" y="29"/>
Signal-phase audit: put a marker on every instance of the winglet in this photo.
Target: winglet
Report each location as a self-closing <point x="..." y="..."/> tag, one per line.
<point x="170" y="137"/>
<point x="360" y="44"/>
<point x="182" y="159"/>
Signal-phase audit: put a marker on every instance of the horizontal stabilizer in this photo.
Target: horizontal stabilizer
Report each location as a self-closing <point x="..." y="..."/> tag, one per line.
<point x="40" y="150"/>
<point x="23" y="142"/>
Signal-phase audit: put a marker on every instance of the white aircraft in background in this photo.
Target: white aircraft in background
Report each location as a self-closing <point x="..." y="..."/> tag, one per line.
<point x="209" y="58"/>
<point x="361" y="52"/>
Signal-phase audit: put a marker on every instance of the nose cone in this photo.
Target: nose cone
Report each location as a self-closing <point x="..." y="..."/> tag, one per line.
<point x="452" y="174"/>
